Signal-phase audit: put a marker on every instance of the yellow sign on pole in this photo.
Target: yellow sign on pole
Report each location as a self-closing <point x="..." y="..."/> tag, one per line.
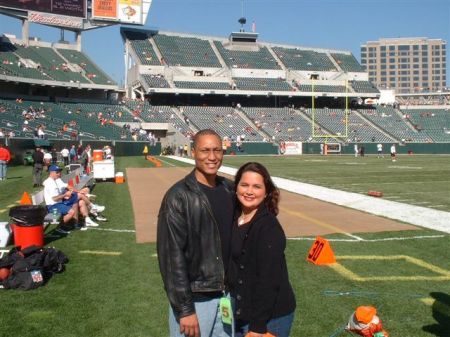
<point x="145" y="150"/>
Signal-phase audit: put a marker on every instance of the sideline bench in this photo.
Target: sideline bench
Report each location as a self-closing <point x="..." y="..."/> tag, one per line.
<point x="75" y="178"/>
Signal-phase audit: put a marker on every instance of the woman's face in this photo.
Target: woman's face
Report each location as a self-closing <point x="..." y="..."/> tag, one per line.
<point x="251" y="190"/>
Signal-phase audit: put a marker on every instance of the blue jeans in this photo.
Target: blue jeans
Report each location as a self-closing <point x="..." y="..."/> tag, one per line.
<point x="279" y="327"/>
<point x="2" y="169"/>
<point x="209" y="318"/>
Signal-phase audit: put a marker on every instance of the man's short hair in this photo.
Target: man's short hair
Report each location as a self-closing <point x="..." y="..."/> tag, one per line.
<point x="205" y="132"/>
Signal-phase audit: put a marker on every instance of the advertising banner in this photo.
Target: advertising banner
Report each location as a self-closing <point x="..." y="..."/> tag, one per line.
<point x="105" y="9"/>
<point x="290" y="148"/>
<point x="130" y="11"/>
<point x="75" y="8"/>
<point x="55" y="20"/>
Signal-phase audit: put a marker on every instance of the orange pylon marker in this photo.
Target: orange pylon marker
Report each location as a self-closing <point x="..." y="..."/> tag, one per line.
<point x="321" y="252"/>
<point x="25" y="200"/>
<point x="154" y="161"/>
<point x="77" y="178"/>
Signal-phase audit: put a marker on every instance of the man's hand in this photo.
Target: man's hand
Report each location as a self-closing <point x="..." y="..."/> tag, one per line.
<point x="67" y="194"/>
<point x="189" y="326"/>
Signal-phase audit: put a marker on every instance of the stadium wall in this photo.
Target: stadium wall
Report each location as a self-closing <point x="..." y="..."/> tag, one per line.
<point x="18" y="146"/>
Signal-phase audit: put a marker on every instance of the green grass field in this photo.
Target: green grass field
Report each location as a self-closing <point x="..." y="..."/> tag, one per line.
<point x="112" y="286"/>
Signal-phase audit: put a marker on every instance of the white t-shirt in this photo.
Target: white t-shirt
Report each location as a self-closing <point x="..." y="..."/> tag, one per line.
<point x="52" y="188"/>
<point x="392" y="149"/>
<point x="65" y="152"/>
<point x="380" y="147"/>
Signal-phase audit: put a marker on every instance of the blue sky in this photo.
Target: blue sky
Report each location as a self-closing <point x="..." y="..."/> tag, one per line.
<point x="339" y="24"/>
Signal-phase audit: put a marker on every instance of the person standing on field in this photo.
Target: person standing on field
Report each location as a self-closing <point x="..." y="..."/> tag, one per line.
<point x="5" y="157"/>
<point x="193" y="243"/>
<point x="393" y="153"/>
<point x="380" y="150"/>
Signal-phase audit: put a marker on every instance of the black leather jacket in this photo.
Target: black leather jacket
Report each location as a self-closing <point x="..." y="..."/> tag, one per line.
<point x="188" y="244"/>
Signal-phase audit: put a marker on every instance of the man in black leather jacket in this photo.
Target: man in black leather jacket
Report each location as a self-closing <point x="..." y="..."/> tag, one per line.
<point x="193" y="242"/>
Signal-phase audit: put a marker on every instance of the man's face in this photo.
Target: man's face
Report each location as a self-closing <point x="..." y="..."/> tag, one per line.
<point x="208" y="155"/>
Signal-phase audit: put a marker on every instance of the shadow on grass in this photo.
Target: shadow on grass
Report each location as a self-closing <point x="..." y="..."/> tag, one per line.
<point x="10" y="178"/>
<point x="441" y="313"/>
<point x="53" y="235"/>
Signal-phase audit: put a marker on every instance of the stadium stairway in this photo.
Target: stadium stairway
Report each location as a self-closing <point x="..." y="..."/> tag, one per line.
<point x="373" y="125"/>
<point x="334" y="62"/>
<point x="194" y="128"/>
<point x="218" y="55"/>
<point x="280" y="63"/>
<point x="244" y="116"/>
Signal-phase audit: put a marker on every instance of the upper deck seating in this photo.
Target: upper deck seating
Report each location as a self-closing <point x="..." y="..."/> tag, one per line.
<point x="155" y="81"/>
<point x="347" y="62"/>
<point x="203" y="85"/>
<point x="186" y="51"/>
<point x="261" y="59"/>
<point x="94" y="73"/>
<point x="301" y="59"/>
<point x="262" y="84"/>
<point x="364" y="86"/>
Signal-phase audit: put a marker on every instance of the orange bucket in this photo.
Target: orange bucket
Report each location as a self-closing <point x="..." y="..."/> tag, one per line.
<point x="97" y="155"/>
<point x="28" y="236"/>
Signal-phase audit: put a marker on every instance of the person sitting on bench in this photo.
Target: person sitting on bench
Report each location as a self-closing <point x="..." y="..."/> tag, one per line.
<point x="66" y="201"/>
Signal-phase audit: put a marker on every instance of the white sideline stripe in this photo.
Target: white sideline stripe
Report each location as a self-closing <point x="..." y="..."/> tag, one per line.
<point x="374" y="240"/>
<point x="113" y="230"/>
<point x="415" y="215"/>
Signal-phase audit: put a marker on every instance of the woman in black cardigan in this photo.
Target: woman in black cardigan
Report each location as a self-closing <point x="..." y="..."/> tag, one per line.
<point x="257" y="275"/>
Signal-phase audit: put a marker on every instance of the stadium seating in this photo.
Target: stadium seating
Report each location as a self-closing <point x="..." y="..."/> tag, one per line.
<point x="186" y="51"/>
<point x="347" y="62"/>
<point x="262" y="84"/>
<point x="301" y="59"/>
<point x="390" y="121"/>
<point x="155" y="81"/>
<point x="226" y="121"/>
<point x="139" y="41"/>
<point x="363" y="86"/>
<point x="434" y="122"/>
<point x="333" y="120"/>
<point x="82" y="118"/>
<point x="321" y="88"/>
<point x="94" y="73"/>
<point x="261" y="59"/>
<point x="280" y="123"/>
<point x="49" y="63"/>
<point x="203" y="85"/>
<point x="11" y="64"/>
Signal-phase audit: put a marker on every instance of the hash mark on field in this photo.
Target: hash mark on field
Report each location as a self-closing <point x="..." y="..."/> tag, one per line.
<point x="113" y="230"/>
<point x="100" y="252"/>
<point x="428" y="301"/>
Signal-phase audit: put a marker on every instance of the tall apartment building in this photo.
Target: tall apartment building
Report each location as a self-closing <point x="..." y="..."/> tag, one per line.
<point x="407" y="65"/>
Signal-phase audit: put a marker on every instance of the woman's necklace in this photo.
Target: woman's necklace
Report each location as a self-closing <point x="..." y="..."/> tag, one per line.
<point x="244" y="218"/>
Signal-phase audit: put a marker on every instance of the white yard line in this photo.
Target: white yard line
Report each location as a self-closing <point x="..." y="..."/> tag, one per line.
<point x="373" y="240"/>
<point x="415" y="215"/>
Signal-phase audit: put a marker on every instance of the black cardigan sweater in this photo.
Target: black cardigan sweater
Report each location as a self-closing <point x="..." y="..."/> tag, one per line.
<point x="258" y="276"/>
